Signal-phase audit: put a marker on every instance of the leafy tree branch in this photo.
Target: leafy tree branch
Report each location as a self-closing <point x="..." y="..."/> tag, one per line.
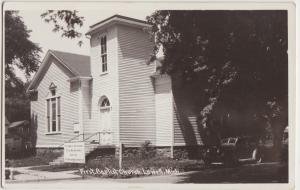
<point x="237" y="58"/>
<point x="65" y="21"/>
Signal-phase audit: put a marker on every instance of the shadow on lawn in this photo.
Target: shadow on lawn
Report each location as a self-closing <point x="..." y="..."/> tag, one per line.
<point x="58" y="168"/>
<point x="255" y="173"/>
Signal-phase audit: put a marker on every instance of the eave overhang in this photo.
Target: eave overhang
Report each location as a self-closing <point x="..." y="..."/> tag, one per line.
<point x="117" y="19"/>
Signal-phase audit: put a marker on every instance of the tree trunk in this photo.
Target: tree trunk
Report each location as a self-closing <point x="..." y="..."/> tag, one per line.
<point x="277" y="129"/>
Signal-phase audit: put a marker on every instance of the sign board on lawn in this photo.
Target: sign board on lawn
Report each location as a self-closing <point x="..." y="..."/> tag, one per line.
<point x="74" y="152"/>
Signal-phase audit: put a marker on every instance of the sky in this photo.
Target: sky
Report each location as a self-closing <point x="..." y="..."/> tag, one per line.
<point x="43" y="35"/>
<point x="95" y="11"/>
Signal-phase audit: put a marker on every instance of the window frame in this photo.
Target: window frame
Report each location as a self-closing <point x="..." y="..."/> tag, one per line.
<point x="103" y="55"/>
<point x="49" y="114"/>
<point x="106" y="106"/>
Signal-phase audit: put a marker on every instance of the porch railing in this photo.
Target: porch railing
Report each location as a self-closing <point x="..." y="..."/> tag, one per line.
<point x="86" y="137"/>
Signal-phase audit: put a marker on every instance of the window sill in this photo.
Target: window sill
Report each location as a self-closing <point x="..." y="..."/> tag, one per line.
<point x="102" y="74"/>
<point x="53" y="133"/>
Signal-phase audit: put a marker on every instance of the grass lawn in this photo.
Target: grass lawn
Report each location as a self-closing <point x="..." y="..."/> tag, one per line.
<point x="148" y="163"/>
<point x="143" y="160"/>
<point x="129" y="163"/>
<point x="37" y="160"/>
<point x="58" y="168"/>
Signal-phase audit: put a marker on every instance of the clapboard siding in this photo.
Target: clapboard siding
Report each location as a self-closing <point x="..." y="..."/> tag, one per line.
<point x="69" y="106"/>
<point x="137" y="100"/>
<point x="186" y="131"/>
<point x="85" y="102"/>
<point x="164" y="111"/>
<point x="103" y="85"/>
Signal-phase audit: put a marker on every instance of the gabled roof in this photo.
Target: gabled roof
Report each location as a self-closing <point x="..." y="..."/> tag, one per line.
<point x="117" y="19"/>
<point x="78" y="65"/>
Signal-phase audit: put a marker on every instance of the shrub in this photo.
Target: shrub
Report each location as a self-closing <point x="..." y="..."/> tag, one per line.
<point x="42" y="158"/>
<point x="131" y="152"/>
<point x="180" y="154"/>
<point x="148" y="163"/>
<point x="102" y="163"/>
<point x="146" y="150"/>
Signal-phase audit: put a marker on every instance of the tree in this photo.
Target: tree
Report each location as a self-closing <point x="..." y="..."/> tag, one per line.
<point x="19" y="49"/>
<point x="17" y="106"/>
<point x="65" y="21"/>
<point x="22" y="53"/>
<point x="239" y="60"/>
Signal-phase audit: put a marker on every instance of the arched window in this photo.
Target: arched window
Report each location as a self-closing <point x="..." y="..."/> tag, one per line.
<point x="52" y="89"/>
<point x="104" y="104"/>
<point x="105" y="120"/>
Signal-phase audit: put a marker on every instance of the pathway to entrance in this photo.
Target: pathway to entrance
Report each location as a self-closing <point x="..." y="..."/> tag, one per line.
<point x="25" y="174"/>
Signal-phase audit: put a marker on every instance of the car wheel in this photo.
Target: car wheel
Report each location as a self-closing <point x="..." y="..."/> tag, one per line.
<point x="207" y="162"/>
<point x="230" y="160"/>
<point x="206" y="159"/>
<point x="256" y="156"/>
<point x="7" y="174"/>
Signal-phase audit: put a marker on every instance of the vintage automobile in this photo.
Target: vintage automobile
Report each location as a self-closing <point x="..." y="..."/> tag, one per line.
<point x="285" y="137"/>
<point x="234" y="150"/>
<point x="285" y="145"/>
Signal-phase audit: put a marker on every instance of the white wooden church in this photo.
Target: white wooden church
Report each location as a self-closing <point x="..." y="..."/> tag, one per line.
<point x="110" y="96"/>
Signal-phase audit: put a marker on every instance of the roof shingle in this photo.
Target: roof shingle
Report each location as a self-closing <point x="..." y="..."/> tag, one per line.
<point x="78" y="64"/>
